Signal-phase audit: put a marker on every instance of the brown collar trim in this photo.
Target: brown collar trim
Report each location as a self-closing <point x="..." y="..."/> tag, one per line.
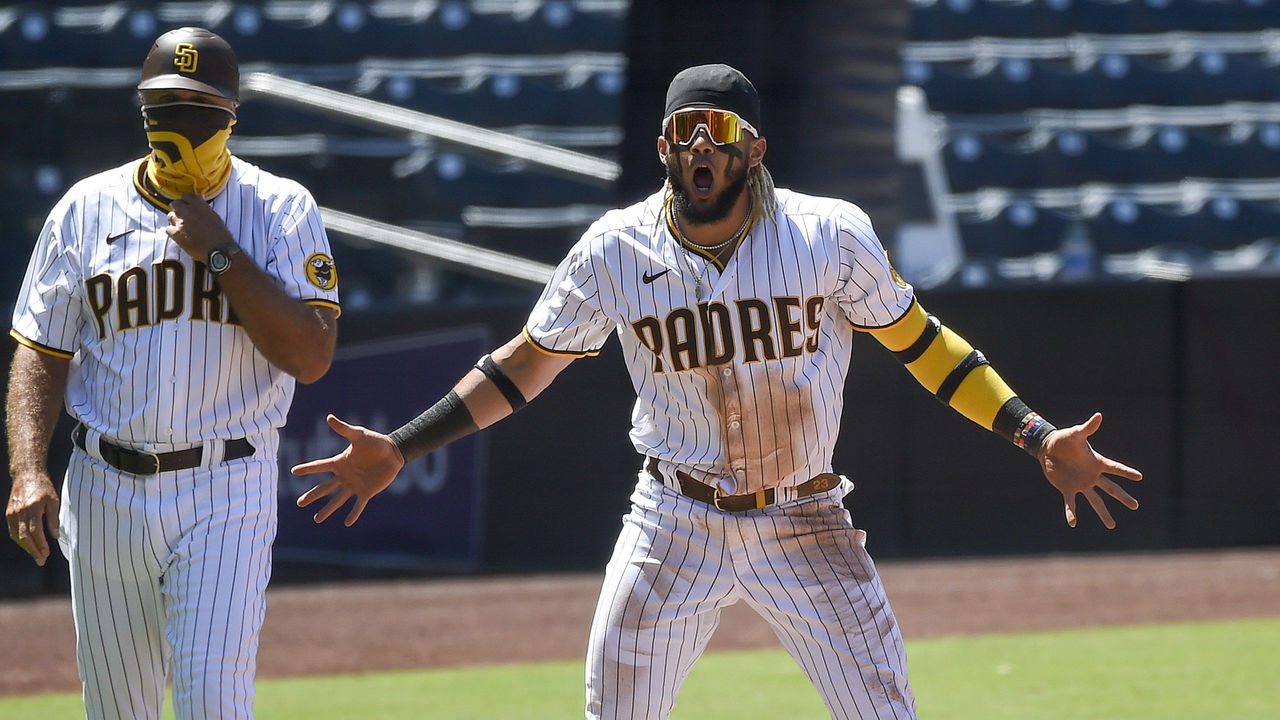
<point x="143" y="186"/>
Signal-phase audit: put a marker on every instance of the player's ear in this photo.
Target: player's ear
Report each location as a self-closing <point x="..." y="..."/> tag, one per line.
<point x="663" y="149"/>
<point x="758" y="147"/>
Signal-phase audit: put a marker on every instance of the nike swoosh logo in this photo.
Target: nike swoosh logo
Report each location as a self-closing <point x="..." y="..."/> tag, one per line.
<point x="647" y="278"/>
<point x="117" y="236"/>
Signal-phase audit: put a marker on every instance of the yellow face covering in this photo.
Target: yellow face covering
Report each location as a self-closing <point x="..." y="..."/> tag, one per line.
<point x="188" y="147"/>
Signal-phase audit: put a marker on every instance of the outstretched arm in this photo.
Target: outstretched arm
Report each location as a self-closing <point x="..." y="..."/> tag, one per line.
<point x="515" y="373"/>
<point x="960" y="376"/>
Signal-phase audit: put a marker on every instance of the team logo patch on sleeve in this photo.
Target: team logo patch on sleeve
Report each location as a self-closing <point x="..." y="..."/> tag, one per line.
<point x="321" y="271"/>
<point x="897" y="279"/>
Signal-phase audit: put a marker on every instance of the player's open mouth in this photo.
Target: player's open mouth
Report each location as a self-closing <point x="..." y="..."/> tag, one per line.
<point x="703" y="179"/>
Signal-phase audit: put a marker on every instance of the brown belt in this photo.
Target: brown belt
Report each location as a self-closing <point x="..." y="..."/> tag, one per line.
<point x="705" y="493"/>
<point x="140" y="462"/>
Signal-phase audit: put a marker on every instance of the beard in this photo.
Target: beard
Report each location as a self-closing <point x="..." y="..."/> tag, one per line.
<point x="719" y="209"/>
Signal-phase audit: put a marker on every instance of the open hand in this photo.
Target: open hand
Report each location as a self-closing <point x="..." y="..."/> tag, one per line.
<point x="361" y="471"/>
<point x="1074" y="468"/>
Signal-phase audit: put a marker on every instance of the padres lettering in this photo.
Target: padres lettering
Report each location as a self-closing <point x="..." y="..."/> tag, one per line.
<point x="185" y="57"/>
<point x="783" y="328"/>
<point x="141" y="298"/>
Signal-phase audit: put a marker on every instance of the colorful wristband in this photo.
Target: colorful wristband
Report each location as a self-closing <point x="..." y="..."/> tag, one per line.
<point x="1025" y="427"/>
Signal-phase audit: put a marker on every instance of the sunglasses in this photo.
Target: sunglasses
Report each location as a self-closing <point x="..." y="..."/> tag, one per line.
<point x="723" y="127"/>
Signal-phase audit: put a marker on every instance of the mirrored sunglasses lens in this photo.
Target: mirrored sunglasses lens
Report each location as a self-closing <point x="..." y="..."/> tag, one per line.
<point x="723" y="127"/>
<point x="686" y="124"/>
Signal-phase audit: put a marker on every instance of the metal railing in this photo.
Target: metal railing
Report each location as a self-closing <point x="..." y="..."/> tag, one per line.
<point x="384" y="116"/>
<point x="469" y="258"/>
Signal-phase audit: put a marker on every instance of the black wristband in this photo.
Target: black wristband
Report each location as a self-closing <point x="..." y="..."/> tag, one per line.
<point x="504" y="384"/>
<point x="1022" y="426"/>
<point x="441" y="424"/>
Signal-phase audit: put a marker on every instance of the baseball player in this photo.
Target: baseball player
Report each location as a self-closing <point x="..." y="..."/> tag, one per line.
<point x="735" y="304"/>
<point x="173" y="302"/>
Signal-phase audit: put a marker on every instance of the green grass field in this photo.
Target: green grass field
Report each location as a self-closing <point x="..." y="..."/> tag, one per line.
<point x="1182" y="671"/>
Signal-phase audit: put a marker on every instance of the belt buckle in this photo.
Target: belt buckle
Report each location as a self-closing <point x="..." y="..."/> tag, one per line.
<point x="715" y="498"/>
<point x="151" y="461"/>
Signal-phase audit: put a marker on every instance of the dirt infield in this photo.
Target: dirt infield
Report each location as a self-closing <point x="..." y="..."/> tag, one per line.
<point x="393" y="625"/>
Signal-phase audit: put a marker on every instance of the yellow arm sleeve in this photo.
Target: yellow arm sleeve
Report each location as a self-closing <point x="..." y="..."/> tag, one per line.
<point x="946" y="365"/>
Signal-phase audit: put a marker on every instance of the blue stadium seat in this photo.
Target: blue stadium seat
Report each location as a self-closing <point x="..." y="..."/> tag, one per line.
<point x="1075" y="157"/>
<point x="1126" y="227"/>
<point x="258" y="116"/>
<point x="1119" y="81"/>
<point x="460" y="180"/>
<point x="1229" y="223"/>
<point x="1168" y="155"/>
<point x="976" y="161"/>
<point x="36" y="38"/>
<point x="504" y="99"/>
<point x="1100" y="16"/>
<point x="1158" y="16"/>
<point x="939" y="20"/>
<point x="294" y="33"/>
<point x="959" y="88"/>
<point x="1113" y="81"/>
<point x="1017" y="231"/>
<point x="1072" y="158"/>
<point x="351" y="31"/>
<point x="580" y="28"/>
<point x="1258" y="155"/>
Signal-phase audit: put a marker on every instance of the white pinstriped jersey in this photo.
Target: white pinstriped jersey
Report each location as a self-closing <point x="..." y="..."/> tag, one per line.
<point x="158" y="358"/>
<point x="748" y="384"/>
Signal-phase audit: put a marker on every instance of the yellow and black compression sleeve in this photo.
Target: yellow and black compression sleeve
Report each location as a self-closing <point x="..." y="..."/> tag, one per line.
<point x="960" y="376"/>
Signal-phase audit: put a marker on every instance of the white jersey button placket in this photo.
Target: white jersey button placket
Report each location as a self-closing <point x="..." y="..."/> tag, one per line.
<point x="733" y="445"/>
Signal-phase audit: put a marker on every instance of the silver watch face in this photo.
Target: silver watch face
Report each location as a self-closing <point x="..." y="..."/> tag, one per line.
<point x="219" y="261"/>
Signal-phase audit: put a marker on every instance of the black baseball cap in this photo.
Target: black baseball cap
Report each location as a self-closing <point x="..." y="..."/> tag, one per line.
<point x="717" y="85"/>
<point x="192" y="58"/>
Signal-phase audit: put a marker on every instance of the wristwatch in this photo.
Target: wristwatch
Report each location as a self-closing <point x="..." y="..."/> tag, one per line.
<point x="220" y="257"/>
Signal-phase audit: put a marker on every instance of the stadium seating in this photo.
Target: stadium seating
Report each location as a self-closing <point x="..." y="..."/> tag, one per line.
<point x="550" y="70"/>
<point x="1097" y="112"/>
<point x="943" y="20"/>
<point x="1073" y="157"/>
<point x="501" y="97"/>
<point x="1017" y="230"/>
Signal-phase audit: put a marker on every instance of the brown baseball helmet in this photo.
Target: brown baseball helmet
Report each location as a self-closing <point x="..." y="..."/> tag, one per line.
<point x="192" y="58"/>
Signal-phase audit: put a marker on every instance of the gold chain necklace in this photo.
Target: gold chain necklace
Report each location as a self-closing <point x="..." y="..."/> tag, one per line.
<point x="675" y="217"/>
<point x="685" y="242"/>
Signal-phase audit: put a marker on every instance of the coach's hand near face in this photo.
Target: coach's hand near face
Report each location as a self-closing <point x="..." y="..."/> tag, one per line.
<point x="195" y="226"/>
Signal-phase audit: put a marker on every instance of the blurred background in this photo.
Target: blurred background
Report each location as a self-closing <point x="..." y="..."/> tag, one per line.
<point x="1087" y="190"/>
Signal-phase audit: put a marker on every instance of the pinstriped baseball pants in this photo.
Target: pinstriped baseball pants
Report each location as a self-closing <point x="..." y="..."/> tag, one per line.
<point x="678" y="563"/>
<point x="168" y="575"/>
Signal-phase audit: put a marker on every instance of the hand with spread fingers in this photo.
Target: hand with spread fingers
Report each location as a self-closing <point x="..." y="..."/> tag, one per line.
<point x="33" y="507"/>
<point x="363" y="470"/>
<point x="1073" y="467"/>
